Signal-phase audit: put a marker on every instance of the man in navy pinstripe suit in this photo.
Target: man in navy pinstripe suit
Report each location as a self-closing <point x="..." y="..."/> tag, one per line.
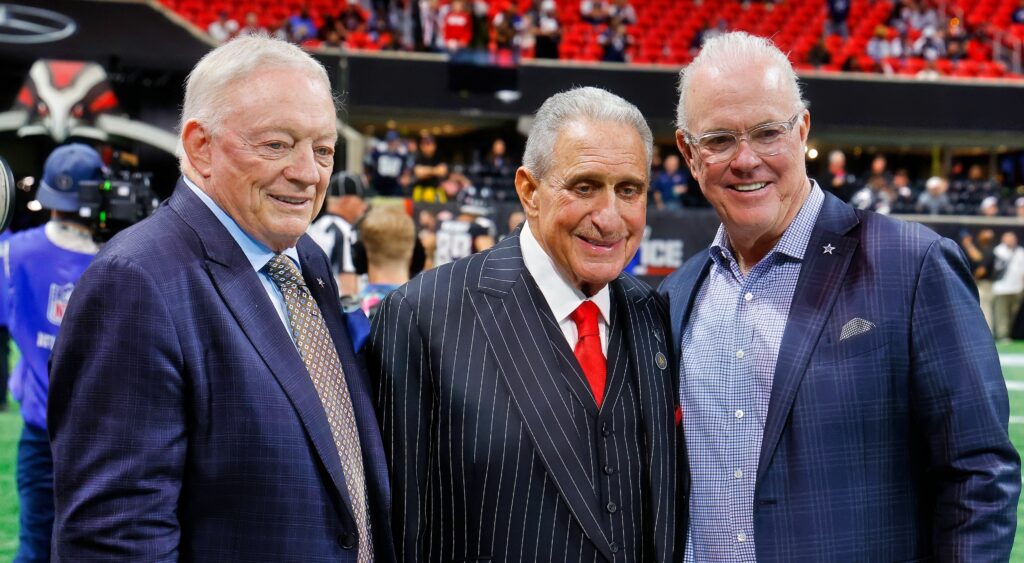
<point x="843" y="399"/>
<point x="186" y="423"/>
<point x="527" y="408"/>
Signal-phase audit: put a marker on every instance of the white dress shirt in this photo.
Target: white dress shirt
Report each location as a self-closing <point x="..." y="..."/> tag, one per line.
<point x="562" y="297"/>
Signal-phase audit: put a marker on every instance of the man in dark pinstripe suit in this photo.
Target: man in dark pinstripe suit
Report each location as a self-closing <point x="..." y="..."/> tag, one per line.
<point x="512" y="432"/>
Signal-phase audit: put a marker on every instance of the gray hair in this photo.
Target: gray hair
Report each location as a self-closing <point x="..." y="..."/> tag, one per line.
<point x="579" y="104"/>
<point x="207" y="86"/>
<point x="733" y="49"/>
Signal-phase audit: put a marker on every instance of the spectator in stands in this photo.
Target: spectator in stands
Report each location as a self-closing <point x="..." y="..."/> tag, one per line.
<point x="547" y="31"/>
<point x="616" y="40"/>
<point x="838" y="13"/>
<point x="904" y="200"/>
<point x="429" y="36"/>
<point x="670" y="186"/>
<point x="457" y="28"/>
<point x="930" y="72"/>
<point x="386" y="164"/>
<point x="402" y="22"/>
<point x="622" y="11"/>
<point x="934" y="200"/>
<point x="222" y="28"/>
<point x="388" y="235"/>
<point x="989" y="206"/>
<point x="881" y="46"/>
<point x="252" y="25"/>
<point x="352" y="17"/>
<point x="301" y="26"/>
<point x="931" y="46"/>
<point x="839" y="182"/>
<point x="335" y="230"/>
<point x="594" y="11"/>
<point x="980" y="253"/>
<point x="879" y="169"/>
<point x="875" y="196"/>
<point x="283" y="31"/>
<point x="819" y="54"/>
<point x="428" y="172"/>
<point x="495" y="170"/>
<point x="1018" y="13"/>
<point x="507" y="25"/>
<point x="427" y="235"/>
<point x="471" y="231"/>
<point x="1007" y="284"/>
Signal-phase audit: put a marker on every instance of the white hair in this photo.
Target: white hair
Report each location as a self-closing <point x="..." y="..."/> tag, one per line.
<point x="731" y="50"/>
<point x="579" y="104"/>
<point x="208" y="85"/>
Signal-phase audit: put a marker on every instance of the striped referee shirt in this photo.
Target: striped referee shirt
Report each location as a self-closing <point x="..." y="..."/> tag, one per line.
<point x="729" y="350"/>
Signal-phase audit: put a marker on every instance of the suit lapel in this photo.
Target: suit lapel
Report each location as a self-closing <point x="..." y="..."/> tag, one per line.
<point x="510" y="315"/>
<point x="682" y="297"/>
<point x="244" y="295"/>
<point x="826" y="261"/>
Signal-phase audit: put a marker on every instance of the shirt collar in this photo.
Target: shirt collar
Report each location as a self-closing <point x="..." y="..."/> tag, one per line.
<point x="256" y="252"/>
<point x="795" y="238"/>
<point x="562" y="297"/>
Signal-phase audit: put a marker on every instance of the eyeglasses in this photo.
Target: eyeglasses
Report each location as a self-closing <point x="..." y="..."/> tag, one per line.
<point x="765" y="139"/>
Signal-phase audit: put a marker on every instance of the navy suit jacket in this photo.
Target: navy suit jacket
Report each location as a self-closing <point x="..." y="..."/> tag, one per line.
<point x="184" y="423"/>
<point x="891" y="444"/>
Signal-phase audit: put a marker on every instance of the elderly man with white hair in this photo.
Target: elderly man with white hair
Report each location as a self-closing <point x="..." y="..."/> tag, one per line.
<point x="842" y="398"/>
<point x="206" y="403"/>
<point x="529" y="412"/>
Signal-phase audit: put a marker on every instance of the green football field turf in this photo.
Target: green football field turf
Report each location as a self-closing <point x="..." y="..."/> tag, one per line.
<point x="10" y="427"/>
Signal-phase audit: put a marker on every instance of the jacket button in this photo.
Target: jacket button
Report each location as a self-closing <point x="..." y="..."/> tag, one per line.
<point x="605" y="431"/>
<point x="347" y="540"/>
<point x="609" y="470"/>
<point x="612" y="507"/>
<point x="615" y="547"/>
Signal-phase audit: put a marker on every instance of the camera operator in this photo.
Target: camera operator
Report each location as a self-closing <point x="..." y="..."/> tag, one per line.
<point x="41" y="268"/>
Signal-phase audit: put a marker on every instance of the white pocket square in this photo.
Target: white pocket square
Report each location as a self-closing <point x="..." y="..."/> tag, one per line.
<point x="854" y="327"/>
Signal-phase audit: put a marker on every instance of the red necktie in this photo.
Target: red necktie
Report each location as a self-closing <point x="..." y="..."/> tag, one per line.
<point x="588" y="347"/>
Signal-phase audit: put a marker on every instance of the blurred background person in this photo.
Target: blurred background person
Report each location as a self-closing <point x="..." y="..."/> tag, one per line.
<point x="43" y="265"/>
<point x="934" y="200"/>
<point x="1007" y="284"/>
<point x="980" y="254"/>
<point x="335" y="230"/>
<point x="428" y="172"/>
<point x="388" y="235"/>
<point x="469" y="232"/>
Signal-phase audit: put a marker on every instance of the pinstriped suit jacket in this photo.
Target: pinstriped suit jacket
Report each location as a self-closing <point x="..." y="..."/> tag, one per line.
<point x="485" y="459"/>
<point x="886" y="444"/>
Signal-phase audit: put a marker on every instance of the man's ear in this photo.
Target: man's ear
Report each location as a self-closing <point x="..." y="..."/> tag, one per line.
<point x="527" y="187"/>
<point x="196" y="141"/>
<point x="686" y="150"/>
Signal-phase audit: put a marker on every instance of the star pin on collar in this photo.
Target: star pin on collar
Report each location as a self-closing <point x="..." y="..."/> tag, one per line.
<point x="320" y="281"/>
<point x="828" y="248"/>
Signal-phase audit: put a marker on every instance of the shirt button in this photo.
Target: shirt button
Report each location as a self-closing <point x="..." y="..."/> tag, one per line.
<point x="738" y="474"/>
<point x="739" y="414"/>
<point x="741" y="537"/>
<point x="612" y="508"/>
<point x="739" y="354"/>
<point x="748" y="296"/>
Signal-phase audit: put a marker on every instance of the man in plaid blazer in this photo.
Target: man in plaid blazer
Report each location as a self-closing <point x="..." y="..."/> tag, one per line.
<point x="842" y="397"/>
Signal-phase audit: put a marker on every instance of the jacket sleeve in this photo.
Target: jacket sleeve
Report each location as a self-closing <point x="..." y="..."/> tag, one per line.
<point x="116" y="420"/>
<point x="406" y="405"/>
<point x="960" y="406"/>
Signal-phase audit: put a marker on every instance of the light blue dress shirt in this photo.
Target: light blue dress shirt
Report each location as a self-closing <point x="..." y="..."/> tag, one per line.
<point x="729" y="349"/>
<point x="257" y="253"/>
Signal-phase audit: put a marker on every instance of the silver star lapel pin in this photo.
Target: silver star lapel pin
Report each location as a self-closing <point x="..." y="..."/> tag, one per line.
<point x="828" y="248"/>
<point x="320" y="281"/>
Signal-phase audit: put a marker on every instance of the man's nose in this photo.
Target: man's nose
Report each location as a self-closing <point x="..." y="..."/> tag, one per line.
<point x="746" y="158"/>
<point x="303" y="168"/>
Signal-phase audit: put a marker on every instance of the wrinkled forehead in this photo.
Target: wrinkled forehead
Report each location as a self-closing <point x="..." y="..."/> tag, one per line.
<point x="756" y="91"/>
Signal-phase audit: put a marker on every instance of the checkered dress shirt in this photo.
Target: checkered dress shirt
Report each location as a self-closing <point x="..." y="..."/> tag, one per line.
<point x="729" y="349"/>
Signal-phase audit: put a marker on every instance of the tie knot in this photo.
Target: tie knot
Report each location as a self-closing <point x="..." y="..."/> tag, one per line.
<point x="585" y="317"/>
<point x="283" y="271"/>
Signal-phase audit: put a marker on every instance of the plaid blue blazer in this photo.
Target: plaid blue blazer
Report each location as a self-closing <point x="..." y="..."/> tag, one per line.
<point x="184" y="424"/>
<point x="886" y="435"/>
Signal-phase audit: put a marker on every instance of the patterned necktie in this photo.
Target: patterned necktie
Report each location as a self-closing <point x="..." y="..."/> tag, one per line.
<point x="318" y="353"/>
<point x="588" y="348"/>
